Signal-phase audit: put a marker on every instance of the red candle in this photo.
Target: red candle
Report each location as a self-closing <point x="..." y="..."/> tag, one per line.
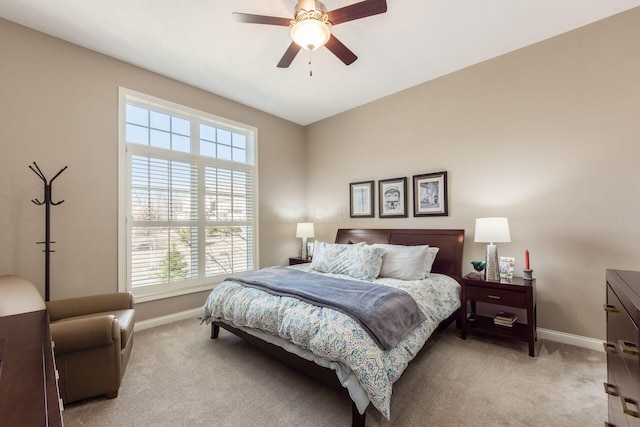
<point x="526" y="260"/>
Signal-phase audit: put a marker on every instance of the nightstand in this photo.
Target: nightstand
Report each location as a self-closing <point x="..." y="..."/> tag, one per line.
<point x="298" y="260"/>
<point x="516" y="293"/>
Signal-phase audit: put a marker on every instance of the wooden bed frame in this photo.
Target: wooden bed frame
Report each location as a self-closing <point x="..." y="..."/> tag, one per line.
<point x="448" y="261"/>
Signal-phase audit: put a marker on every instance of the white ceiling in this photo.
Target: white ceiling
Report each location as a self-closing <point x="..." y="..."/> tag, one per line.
<point x="198" y="42"/>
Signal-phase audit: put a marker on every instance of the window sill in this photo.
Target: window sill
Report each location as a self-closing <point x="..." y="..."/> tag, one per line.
<point x="174" y="293"/>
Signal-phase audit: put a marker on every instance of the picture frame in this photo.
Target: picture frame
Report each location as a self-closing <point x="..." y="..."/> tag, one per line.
<point x="430" y="194"/>
<point x="392" y="198"/>
<point x="361" y="199"/>
<point x="506" y="267"/>
<point x="310" y="250"/>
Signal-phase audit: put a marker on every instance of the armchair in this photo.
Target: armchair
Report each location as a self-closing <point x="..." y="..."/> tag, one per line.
<point x="93" y="339"/>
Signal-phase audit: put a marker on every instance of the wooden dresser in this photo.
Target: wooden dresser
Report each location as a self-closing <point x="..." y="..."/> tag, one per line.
<point x="623" y="351"/>
<point x="28" y="385"/>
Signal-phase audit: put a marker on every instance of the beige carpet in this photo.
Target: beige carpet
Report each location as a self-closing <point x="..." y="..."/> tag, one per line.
<point x="178" y="376"/>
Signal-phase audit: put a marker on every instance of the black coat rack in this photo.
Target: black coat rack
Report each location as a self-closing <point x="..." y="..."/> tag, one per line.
<point x="47" y="240"/>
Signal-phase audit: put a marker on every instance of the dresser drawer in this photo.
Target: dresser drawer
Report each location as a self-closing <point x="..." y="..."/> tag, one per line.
<point x="622" y="347"/>
<point x="497" y="296"/>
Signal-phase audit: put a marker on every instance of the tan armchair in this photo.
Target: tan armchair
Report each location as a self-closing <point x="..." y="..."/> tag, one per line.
<point x="93" y="338"/>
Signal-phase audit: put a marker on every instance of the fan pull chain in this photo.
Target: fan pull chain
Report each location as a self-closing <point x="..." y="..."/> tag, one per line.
<point x="310" y="69"/>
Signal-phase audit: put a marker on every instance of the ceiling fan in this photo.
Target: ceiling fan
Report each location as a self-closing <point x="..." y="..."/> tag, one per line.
<point x="310" y="26"/>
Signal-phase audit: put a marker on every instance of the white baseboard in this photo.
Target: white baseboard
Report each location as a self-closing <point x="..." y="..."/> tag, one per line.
<point x="545" y="334"/>
<point x="565" y="338"/>
<point x="170" y="318"/>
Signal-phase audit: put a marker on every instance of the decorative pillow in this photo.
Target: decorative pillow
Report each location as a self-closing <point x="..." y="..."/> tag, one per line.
<point x="404" y="262"/>
<point x="317" y="251"/>
<point x="357" y="261"/>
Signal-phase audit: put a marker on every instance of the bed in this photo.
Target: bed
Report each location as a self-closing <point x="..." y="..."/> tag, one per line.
<point x="297" y="338"/>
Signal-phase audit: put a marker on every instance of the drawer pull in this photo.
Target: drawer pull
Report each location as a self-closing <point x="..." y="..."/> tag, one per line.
<point x="628" y="411"/>
<point x="494" y="296"/>
<point x="610" y="308"/>
<point x="610" y="389"/>
<point x="629" y="347"/>
<point x="610" y="348"/>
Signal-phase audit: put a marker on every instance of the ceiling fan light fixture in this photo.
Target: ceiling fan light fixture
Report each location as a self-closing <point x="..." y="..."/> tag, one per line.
<point x="311" y="25"/>
<point x="310" y="29"/>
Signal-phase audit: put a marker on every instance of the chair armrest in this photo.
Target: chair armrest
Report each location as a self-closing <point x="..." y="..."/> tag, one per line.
<point x="81" y="306"/>
<point x="80" y="334"/>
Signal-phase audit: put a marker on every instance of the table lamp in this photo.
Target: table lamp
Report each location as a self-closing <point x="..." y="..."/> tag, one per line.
<point x="304" y="231"/>
<point x="491" y="231"/>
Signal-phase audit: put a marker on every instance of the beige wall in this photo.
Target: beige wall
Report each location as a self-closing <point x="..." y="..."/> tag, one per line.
<point x="548" y="136"/>
<point x="59" y="106"/>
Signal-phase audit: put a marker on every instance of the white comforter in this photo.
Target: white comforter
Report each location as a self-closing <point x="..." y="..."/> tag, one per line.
<point x="334" y="336"/>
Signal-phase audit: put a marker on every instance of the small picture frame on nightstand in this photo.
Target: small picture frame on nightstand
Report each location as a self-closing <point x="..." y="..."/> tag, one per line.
<point x="506" y="267"/>
<point x="310" y="250"/>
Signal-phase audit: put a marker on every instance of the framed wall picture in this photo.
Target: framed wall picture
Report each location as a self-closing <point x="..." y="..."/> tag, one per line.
<point x="392" y="198"/>
<point x="430" y="194"/>
<point x="361" y="199"/>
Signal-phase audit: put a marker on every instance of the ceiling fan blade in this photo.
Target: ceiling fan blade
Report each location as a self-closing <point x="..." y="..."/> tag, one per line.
<point x="340" y="50"/>
<point x="261" y="19"/>
<point x="357" y="11"/>
<point x="289" y="55"/>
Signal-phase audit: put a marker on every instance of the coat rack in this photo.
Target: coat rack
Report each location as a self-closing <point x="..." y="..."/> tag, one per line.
<point x="48" y="203"/>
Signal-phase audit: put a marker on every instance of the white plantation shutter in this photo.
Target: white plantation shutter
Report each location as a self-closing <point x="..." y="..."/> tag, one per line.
<point x="229" y="198"/>
<point x="164" y="213"/>
<point x="189" y="216"/>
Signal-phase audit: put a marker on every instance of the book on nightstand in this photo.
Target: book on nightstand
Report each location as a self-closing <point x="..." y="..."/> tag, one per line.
<point x="504" y="318"/>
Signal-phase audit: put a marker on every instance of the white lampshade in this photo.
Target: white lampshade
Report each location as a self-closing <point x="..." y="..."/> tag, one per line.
<point x="304" y="230"/>
<point x="492" y="230"/>
<point x="310" y="33"/>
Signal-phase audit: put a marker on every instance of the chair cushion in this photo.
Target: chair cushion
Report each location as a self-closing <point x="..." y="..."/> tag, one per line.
<point x="126" y="321"/>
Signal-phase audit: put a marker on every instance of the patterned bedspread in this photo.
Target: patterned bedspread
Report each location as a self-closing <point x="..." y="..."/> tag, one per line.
<point x="334" y="336"/>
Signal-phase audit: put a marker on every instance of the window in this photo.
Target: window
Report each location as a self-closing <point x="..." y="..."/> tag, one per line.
<point x="187" y="198"/>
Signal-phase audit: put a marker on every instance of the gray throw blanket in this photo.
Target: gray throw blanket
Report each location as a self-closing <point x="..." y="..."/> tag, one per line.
<point x="386" y="313"/>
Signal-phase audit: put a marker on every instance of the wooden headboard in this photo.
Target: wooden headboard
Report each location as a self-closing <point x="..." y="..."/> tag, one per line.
<point x="451" y="242"/>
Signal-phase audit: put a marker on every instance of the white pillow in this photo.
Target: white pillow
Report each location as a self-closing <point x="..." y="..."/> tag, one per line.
<point x="358" y="261"/>
<point x="404" y="262"/>
<point x="407" y="262"/>
<point x="431" y="257"/>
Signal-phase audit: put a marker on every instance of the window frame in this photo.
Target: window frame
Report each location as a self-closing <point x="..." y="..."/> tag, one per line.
<point x="127" y="150"/>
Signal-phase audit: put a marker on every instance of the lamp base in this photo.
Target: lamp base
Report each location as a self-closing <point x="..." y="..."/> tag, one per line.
<point x="492" y="267"/>
<point x="303" y="250"/>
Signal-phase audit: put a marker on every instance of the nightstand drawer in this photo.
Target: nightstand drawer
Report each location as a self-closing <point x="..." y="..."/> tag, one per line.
<point x="497" y="296"/>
